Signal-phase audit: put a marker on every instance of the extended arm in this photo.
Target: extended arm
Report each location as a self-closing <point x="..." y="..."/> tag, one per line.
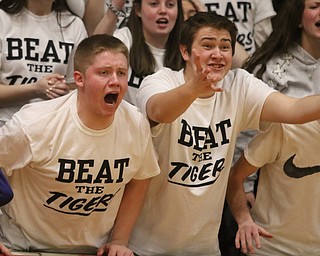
<point x="129" y="210"/>
<point x="167" y="106"/>
<point x="280" y="108"/>
<point x="248" y="230"/>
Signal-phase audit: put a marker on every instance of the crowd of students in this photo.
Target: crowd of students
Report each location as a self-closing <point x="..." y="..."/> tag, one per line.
<point x="119" y="122"/>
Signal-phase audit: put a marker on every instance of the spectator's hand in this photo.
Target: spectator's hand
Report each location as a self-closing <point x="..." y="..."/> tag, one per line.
<point x="52" y="86"/>
<point x="114" y="249"/>
<point x="59" y="88"/>
<point x="248" y="236"/>
<point x="4" y="250"/>
<point x="204" y="80"/>
<point x="251" y="199"/>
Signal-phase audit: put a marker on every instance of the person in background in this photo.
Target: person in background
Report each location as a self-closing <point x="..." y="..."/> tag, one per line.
<point x="38" y="42"/>
<point x="289" y="62"/>
<point x="79" y="165"/>
<point x="196" y="114"/>
<point x="288" y="184"/>
<point x="289" y="59"/>
<point x="294" y="50"/>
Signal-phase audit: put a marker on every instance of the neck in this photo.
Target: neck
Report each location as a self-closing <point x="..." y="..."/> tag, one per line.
<point x="158" y="42"/>
<point x="92" y="121"/>
<point x="39" y="7"/>
<point x="188" y="72"/>
<point x="311" y="45"/>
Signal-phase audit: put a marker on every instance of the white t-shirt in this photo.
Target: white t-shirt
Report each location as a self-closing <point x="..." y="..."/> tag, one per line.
<point x="287" y="203"/>
<point x="183" y="208"/>
<point x="67" y="179"/>
<point x="252" y="17"/>
<point x="134" y="82"/>
<point x="33" y="46"/>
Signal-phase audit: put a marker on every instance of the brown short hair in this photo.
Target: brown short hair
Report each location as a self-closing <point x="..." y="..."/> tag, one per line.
<point x="206" y="19"/>
<point x="94" y="45"/>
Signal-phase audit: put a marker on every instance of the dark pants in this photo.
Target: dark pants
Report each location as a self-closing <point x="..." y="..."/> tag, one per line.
<point x="227" y="233"/>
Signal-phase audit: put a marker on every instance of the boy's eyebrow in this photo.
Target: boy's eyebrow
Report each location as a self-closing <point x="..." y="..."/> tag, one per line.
<point x="225" y="39"/>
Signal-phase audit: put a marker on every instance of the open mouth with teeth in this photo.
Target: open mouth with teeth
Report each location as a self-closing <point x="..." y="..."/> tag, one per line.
<point x="215" y="66"/>
<point x="318" y="24"/>
<point x="111" y="98"/>
<point x="162" y="21"/>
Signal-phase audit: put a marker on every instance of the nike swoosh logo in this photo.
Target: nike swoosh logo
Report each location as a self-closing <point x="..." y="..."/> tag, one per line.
<point x="293" y="171"/>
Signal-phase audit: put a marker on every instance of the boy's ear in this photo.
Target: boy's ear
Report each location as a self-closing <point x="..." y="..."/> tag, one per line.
<point x="78" y="78"/>
<point x="184" y="52"/>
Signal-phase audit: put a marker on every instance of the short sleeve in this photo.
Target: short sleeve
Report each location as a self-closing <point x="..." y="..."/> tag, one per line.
<point x="15" y="150"/>
<point x="265" y="147"/>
